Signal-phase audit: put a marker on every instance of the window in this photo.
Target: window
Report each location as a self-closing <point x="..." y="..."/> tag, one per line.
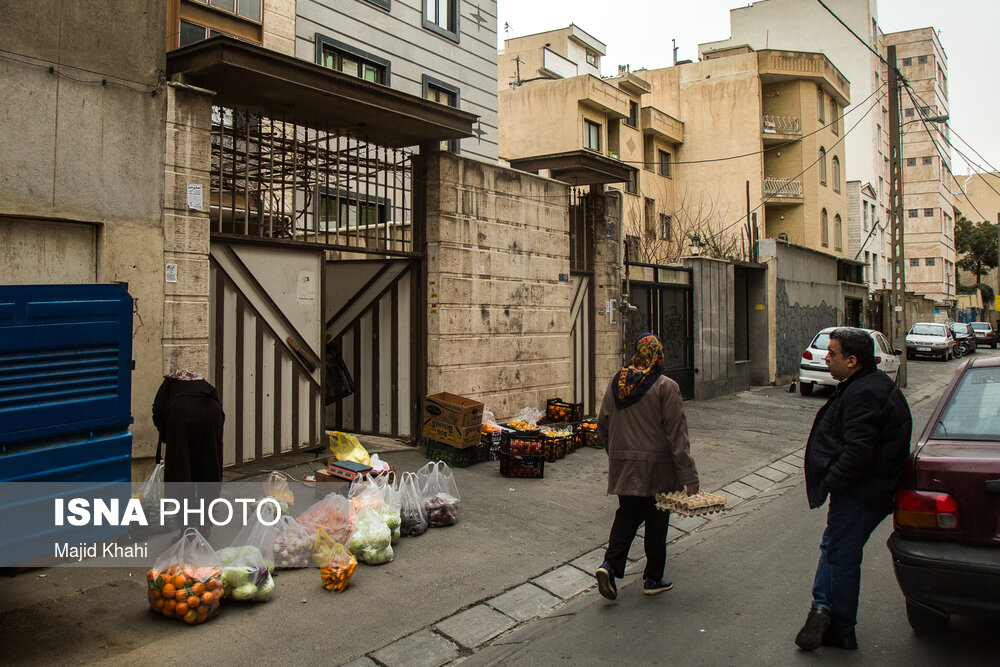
<point x="651" y="218"/>
<point x="914" y="261"/>
<point x="821" y="105"/>
<point x="591" y="135"/>
<point x="824" y="229"/>
<point x="349" y="60"/>
<point x="921" y="60"/>
<point x="822" y="165"/>
<point x="666" y="223"/>
<point x="910" y="112"/>
<point x="930" y="261"/>
<point x="836" y="173"/>
<point x="633" y="114"/>
<point x="928" y="160"/>
<point x="446" y="94"/>
<point x="248" y="9"/>
<point x="912" y="213"/>
<point x="664" y="163"/>
<point x="838" y="231"/>
<point x="339" y="211"/>
<point x="441" y="16"/>
<point x="864" y="209"/>
<point x="928" y="213"/>
<point x="911" y="162"/>
<point x="591" y="58"/>
<point x="907" y="62"/>
<point x="632" y="184"/>
<point x="834" y="118"/>
<point x="925" y="111"/>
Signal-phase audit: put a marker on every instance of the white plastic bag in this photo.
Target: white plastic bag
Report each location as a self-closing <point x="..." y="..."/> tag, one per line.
<point x="293" y="543"/>
<point x="412" y="511"/>
<point x="245" y="575"/>
<point x="333" y="514"/>
<point x="259" y="536"/>
<point x="440" y="494"/>
<point x="371" y="538"/>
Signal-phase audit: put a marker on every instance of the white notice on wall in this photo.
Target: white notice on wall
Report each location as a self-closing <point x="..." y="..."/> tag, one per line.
<point x="170" y="273"/>
<point x="306" y="287"/>
<point x="194" y="196"/>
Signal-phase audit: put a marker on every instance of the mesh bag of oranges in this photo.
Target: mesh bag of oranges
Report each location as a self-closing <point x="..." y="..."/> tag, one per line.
<point x="186" y="580"/>
<point x="338" y="568"/>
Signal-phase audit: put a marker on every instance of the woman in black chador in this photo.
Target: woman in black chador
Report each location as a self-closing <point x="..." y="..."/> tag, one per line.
<point x="188" y="413"/>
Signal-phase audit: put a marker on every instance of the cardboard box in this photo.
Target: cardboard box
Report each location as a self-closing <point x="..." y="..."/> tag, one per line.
<point x="459" y="437"/>
<point x="327" y="483"/>
<point x="453" y="409"/>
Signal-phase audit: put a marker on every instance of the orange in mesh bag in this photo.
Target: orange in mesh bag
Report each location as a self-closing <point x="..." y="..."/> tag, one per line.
<point x="186" y="580"/>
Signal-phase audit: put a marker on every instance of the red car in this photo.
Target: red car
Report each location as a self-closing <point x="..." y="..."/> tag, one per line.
<point x="946" y="540"/>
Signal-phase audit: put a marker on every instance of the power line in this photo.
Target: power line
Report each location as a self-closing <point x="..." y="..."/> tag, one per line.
<point x="105" y="80"/>
<point x="858" y="37"/>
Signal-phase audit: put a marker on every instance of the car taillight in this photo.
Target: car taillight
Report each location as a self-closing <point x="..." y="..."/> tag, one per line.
<point x="878" y="359"/>
<point x="807" y="355"/>
<point x="926" y="509"/>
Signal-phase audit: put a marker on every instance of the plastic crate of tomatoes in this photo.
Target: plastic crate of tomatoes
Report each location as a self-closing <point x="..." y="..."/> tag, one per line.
<point x="522" y="443"/>
<point x="512" y="465"/>
<point x="557" y="410"/>
<point x="586" y="435"/>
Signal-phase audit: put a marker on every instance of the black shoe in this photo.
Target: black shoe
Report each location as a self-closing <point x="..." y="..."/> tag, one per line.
<point x="811" y="635"/>
<point x="842" y="640"/>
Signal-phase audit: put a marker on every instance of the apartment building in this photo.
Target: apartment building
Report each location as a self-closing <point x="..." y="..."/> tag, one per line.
<point x="657" y="136"/>
<point x="976" y="198"/>
<point x="928" y="202"/>
<point x="443" y="51"/>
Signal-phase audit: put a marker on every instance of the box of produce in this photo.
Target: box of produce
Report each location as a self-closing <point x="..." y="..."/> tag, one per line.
<point x="586" y="435"/>
<point x="449" y="434"/>
<point x="453" y="409"/>
<point x="453" y="456"/>
<point x="492" y="435"/>
<point x="512" y="465"/>
<point x="556" y="444"/>
<point x="522" y="443"/>
<point x="557" y="410"/>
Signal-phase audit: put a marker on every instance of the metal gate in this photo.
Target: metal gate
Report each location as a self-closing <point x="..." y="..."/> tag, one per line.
<point x="370" y="326"/>
<point x="582" y="339"/>
<point x="665" y="310"/>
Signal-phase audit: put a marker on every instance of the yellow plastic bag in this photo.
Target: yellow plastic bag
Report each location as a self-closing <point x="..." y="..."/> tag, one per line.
<point x="346" y="447"/>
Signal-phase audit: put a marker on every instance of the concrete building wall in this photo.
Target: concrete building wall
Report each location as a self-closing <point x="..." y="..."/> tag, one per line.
<point x="279" y="26"/>
<point x="81" y="166"/>
<point x="498" y="241"/>
<point x="468" y="62"/>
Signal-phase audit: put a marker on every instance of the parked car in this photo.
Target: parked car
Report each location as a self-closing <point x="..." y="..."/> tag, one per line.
<point x="931" y="339"/>
<point x="985" y="335"/>
<point x="965" y="340"/>
<point x="813" y="370"/>
<point x="946" y="542"/>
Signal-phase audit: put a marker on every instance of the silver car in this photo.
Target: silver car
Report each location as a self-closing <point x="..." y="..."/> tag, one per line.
<point x="813" y="370"/>
<point x="930" y="339"/>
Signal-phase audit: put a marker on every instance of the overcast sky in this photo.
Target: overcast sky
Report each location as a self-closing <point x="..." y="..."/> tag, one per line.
<point x="966" y="31"/>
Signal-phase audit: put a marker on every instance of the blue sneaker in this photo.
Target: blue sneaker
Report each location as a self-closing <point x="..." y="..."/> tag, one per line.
<point x="606" y="581"/>
<point x="653" y="587"/>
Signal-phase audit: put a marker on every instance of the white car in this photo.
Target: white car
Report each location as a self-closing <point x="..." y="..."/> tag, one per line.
<point x="930" y="339"/>
<point x="813" y="370"/>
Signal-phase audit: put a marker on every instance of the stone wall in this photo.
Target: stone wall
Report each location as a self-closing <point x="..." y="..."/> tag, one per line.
<point x="498" y="318"/>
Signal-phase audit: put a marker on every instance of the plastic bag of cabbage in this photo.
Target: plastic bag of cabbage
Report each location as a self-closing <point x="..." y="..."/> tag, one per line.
<point x="375" y="492"/>
<point x="371" y="538"/>
<point x="245" y="575"/>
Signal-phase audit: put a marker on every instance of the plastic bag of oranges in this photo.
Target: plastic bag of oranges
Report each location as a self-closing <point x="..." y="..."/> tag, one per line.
<point x="336" y="572"/>
<point x="186" y="580"/>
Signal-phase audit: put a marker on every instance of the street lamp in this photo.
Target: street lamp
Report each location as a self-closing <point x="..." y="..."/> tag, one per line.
<point x="696" y="245"/>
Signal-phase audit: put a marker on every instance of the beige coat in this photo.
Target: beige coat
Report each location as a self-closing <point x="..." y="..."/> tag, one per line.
<point x="647" y="442"/>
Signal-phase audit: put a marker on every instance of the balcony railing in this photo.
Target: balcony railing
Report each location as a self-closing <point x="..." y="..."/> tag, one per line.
<point x="780" y="125"/>
<point x="782" y="188"/>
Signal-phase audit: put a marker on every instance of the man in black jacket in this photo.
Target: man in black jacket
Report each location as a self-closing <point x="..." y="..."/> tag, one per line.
<point x="857" y="447"/>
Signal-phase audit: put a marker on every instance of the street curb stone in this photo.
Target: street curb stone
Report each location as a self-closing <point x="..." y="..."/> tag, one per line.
<point x="475" y="625"/>
<point x="421" y="649"/>
<point x="524" y="602"/>
<point x="565" y="581"/>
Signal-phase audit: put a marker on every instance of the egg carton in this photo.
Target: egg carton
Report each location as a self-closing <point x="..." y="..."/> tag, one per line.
<point x="685" y="505"/>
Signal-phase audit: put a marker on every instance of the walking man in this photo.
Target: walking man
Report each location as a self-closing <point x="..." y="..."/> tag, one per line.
<point x="859" y="442"/>
<point x="644" y="431"/>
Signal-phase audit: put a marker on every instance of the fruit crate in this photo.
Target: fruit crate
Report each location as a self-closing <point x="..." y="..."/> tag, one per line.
<point x="558" y="410"/>
<point x="512" y="465"/>
<point x="586" y="435"/>
<point x="491" y="441"/>
<point x="454" y="457"/>
<point x="556" y="446"/>
<point x="521" y="443"/>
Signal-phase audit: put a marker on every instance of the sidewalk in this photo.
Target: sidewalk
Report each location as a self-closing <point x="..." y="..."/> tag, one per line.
<point x="522" y="548"/>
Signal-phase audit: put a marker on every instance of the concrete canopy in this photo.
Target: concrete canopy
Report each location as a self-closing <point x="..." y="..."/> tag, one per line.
<point x="580" y="167"/>
<point x="247" y="76"/>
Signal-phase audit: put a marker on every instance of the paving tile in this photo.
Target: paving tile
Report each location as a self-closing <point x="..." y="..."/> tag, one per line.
<point x="524" y="602"/>
<point x="786" y="467"/>
<point x="565" y="581"/>
<point x="421" y="649"/>
<point x="590" y="561"/>
<point x="476" y="625"/>
<point x="686" y="523"/>
<point x="731" y="500"/>
<point x="739" y="490"/>
<point x="772" y="473"/>
<point x="756" y="481"/>
<point x="363" y="661"/>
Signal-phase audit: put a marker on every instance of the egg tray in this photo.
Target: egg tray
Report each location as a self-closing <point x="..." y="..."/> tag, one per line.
<point x="696" y="505"/>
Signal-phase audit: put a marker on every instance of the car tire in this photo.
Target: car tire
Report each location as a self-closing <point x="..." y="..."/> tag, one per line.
<point x="924" y="620"/>
<point x="806" y="388"/>
<point x="993" y="346"/>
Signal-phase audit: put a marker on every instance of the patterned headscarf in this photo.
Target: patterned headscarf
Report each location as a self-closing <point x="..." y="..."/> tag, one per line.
<point x="184" y="375"/>
<point x="635" y="379"/>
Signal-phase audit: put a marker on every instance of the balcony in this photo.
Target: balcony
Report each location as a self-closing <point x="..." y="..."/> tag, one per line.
<point x="655" y="122"/>
<point x="781" y="190"/>
<point x="779" y="128"/>
<point x="601" y="96"/>
<point x="784" y="65"/>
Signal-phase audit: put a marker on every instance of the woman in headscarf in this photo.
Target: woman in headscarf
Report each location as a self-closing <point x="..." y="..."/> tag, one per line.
<point x="644" y="431"/>
<point x="188" y="413"/>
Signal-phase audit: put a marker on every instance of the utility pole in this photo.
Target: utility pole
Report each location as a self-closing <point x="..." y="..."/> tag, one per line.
<point x="897" y="262"/>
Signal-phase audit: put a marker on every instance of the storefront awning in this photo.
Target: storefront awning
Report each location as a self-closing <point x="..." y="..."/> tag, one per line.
<point x="247" y="76"/>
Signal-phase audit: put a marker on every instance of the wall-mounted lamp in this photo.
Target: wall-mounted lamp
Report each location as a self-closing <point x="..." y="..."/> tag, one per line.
<point x="695" y="245"/>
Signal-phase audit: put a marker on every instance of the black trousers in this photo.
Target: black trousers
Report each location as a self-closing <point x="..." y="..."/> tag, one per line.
<point x="632" y="512"/>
